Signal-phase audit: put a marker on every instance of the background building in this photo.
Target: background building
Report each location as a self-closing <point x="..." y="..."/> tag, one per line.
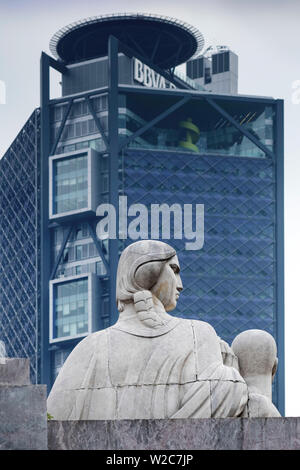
<point x="216" y="70"/>
<point x="127" y="124"/>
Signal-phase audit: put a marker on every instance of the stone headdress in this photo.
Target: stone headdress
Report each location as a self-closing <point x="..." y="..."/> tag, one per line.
<point x="139" y="268"/>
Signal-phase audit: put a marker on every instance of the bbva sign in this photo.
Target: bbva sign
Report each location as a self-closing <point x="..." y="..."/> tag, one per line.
<point x="143" y="74"/>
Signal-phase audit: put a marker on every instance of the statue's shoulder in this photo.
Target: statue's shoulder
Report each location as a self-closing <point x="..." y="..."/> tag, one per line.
<point x="203" y="327"/>
<point x="206" y="343"/>
<point x="91" y="341"/>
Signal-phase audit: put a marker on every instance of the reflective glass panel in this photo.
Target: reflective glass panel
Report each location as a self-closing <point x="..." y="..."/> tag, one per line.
<point x="197" y="127"/>
<point x="70" y="184"/>
<point x="70" y="308"/>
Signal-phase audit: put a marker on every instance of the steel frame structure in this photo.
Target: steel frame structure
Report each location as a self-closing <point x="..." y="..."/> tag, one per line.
<point x="113" y="148"/>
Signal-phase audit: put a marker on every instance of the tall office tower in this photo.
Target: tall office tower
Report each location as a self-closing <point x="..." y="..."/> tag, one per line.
<point x="216" y="70"/>
<point x="128" y="125"/>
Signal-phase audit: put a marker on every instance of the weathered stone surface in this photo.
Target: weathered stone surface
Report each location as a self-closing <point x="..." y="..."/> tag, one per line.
<point x="257" y="358"/>
<point x="181" y="434"/>
<point x="23" y="417"/>
<point x="151" y="365"/>
<point x="271" y="434"/>
<point x="14" y="371"/>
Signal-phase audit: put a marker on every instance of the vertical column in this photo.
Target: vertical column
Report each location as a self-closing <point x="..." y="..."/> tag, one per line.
<point x="44" y="208"/>
<point x="113" y="46"/>
<point x="279" y="152"/>
<point x="45" y="249"/>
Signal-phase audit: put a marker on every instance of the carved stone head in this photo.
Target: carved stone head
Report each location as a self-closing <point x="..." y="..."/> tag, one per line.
<point x="148" y="265"/>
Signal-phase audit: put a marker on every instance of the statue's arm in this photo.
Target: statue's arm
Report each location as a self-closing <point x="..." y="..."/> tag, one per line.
<point x="219" y="391"/>
<point x="228" y="356"/>
<point x="259" y="406"/>
<point x="72" y="379"/>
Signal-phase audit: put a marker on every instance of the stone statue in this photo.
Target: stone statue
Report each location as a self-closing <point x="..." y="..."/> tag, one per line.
<point x="256" y="351"/>
<point x="151" y="365"/>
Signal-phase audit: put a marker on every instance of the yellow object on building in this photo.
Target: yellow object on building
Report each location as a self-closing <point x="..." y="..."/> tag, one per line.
<point x="192" y="135"/>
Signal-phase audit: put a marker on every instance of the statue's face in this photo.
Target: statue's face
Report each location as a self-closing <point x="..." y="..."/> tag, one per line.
<point x="168" y="285"/>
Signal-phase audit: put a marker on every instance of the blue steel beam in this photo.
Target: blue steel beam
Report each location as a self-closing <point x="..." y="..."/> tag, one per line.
<point x="113" y="135"/>
<point x="279" y="168"/>
<point x="195" y="94"/>
<point x="99" y="248"/>
<point x="62" y="126"/>
<point x="61" y="250"/>
<point x="46" y="62"/>
<point x="45" y="264"/>
<point x="137" y="89"/>
<point x="55" y="64"/>
<point x="239" y="127"/>
<point x="154" y="121"/>
<point x="97" y="122"/>
<point x="83" y="94"/>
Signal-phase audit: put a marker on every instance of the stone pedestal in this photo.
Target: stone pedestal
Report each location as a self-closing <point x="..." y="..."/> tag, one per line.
<point x="176" y="434"/>
<point x="23" y="413"/>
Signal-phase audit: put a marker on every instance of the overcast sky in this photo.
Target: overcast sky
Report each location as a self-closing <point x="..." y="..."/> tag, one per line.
<point x="264" y="34"/>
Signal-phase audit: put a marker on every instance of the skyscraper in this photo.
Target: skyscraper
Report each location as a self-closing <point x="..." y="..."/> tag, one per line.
<point x="128" y="124"/>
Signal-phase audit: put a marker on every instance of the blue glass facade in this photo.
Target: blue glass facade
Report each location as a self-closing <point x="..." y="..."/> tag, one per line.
<point x="237" y="258"/>
<point x="19" y="246"/>
<point x="231" y="281"/>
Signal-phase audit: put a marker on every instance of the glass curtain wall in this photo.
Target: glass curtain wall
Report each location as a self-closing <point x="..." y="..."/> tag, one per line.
<point x="197" y="127"/>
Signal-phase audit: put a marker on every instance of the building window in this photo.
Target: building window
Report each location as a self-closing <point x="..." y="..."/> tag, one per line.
<point x="195" y="68"/>
<point x="70" y="184"/>
<point x="220" y="62"/>
<point x="74" y="304"/>
<point x="226" y="61"/>
<point x="59" y="359"/>
<point x="207" y="75"/>
<point x="79" y="269"/>
<point x="214" y="60"/>
<point x="70" y="308"/>
<point x="73" y="183"/>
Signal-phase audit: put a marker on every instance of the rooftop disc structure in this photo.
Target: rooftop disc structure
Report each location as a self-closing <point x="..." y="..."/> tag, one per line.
<point x="165" y="41"/>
